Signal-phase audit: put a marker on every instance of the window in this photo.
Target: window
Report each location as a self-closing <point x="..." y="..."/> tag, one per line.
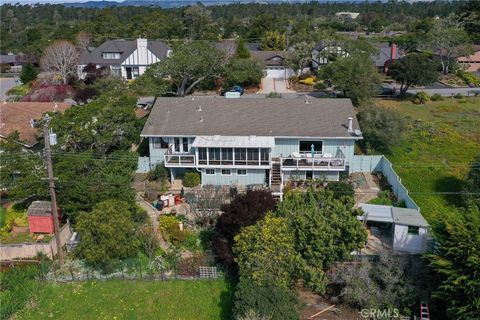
<point x="306" y="147"/>
<point x="202" y="155"/>
<point x="136" y="72"/>
<point x="176" y="142"/>
<point x="159" y="143"/>
<point x="111" y="55"/>
<point x="214" y="155"/>
<point x="185" y="145"/>
<point x="241" y="172"/>
<point x="241" y="156"/>
<point x="226" y="172"/>
<point x="209" y="172"/>
<point x="116" y="70"/>
<point x="227" y="156"/>
<point x="412" y="230"/>
<point x="265" y="156"/>
<point x="252" y="156"/>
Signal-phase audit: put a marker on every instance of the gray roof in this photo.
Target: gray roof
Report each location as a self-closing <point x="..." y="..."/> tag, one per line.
<point x="408" y="217"/>
<point x="251" y="116"/>
<point x="229" y="46"/>
<point x="125" y="47"/>
<point x="8" y="58"/>
<point x="384" y="52"/>
<point x="40" y="208"/>
<point x="270" y="58"/>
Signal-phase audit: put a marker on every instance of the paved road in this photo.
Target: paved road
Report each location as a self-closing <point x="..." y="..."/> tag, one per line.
<point x="6" y="84"/>
<point x="447" y="91"/>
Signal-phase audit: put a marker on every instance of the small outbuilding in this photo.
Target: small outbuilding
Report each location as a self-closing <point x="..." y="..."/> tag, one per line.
<point x="409" y="228"/>
<point x="40" y="218"/>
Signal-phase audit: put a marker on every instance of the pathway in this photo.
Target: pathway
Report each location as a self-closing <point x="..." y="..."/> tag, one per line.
<point x="153" y="214"/>
<point x="6" y="84"/>
<point x="366" y="192"/>
<point x="274" y="85"/>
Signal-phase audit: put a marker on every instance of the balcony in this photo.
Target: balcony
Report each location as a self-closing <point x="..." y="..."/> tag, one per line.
<point x="179" y="160"/>
<point x="317" y="163"/>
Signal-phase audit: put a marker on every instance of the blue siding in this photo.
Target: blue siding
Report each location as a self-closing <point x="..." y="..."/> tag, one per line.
<point x="254" y="176"/>
<point x="327" y="175"/>
<point x="156" y="155"/>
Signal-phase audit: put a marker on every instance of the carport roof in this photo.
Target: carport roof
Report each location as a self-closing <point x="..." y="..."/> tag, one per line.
<point x="390" y="214"/>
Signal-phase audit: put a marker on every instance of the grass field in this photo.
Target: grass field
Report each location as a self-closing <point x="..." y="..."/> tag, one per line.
<point x="441" y="141"/>
<point x="116" y="299"/>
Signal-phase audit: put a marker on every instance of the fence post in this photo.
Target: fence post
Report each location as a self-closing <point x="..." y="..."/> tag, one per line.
<point x="71" y="272"/>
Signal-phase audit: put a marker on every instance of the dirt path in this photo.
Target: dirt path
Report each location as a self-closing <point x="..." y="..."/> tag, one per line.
<point x="153" y="214"/>
<point x="367" y="190"/>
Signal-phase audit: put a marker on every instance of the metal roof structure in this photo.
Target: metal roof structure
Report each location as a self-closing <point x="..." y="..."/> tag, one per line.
<point x="390" y="214"/>
<point x="40" y="208"/>
<point x="234" y="141"/>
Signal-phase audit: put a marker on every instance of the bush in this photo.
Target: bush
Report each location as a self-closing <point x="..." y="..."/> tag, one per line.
<point x="459" y="96"/>
<point x="274" y="95"/>
<point x="310" y="81"/>
<point x="421" y="98"/>
<point x="436" y="97"/>
<point x="29" y="73"/>
<point x="244" y="72"/>
<point x="191" y="179"/>
<point x="168" y="225"/>
<point x="159" y="173"/>
<point x="12" y="217"/>
<point x="469" y="78"/>
<point x="265" y="301"/>
<point x="382" y="128"/>
<point x="341" y="189"/>
<point x="384" y="198"/>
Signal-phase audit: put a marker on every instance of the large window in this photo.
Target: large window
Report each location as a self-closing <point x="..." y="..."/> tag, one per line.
<point x="227" y="156"/>
<point x="209" y="172"/>
<point x="185" y="145"/>
<point x="241" y="156"/>
<point x="111" y="55"/>
<point x="413" y="230"/>
<point x="214" y="155"/>
<point x="265" y="156"/>
<point x="306" y="147"/>
<point x="159" y="143"/>
<point x="202" y="155"/>
<point x="176" y="142"/>
<point x="116" y="70"/>
<point x="252" y="156"/>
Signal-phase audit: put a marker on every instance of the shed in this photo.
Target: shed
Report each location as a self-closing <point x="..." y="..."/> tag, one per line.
<point x="40" y="218"/>
<point x="410" y="229"/>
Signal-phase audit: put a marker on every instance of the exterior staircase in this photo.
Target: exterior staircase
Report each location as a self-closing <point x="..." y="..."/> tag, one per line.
<point x="276" y="176"/>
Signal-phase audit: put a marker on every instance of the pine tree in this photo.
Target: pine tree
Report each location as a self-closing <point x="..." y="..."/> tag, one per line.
<point x="29" y="73"/>
<point x="242" y="50"/>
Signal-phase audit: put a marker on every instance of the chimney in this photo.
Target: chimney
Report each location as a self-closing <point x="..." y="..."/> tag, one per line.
<point x="142" y="43"/>
<point x="350" y="124"/>
<point x="393" y="52"/>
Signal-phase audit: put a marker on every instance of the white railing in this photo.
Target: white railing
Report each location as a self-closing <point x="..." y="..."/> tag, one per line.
<point x="315" y="163"/>
<point x="178" y="160"/>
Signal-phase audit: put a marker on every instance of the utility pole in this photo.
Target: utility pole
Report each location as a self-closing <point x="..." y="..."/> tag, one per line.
<point x="51" y="185"/>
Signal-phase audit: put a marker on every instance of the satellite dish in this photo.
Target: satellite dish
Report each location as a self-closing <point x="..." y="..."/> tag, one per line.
<point x="358" y="132"/>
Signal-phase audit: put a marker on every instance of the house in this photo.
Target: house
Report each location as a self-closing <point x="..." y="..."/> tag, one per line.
<point x="229" y="46"/>
<point x="470" y="63"/>
<point x="325" y="52"/>
<point x="252" y="141"/>
<point x="18" y="116"/>
<point x="406" y="228"/>
<point x="274" y="63"/>
<point x="387" y="53"/>
<point x="11" y="60"/>
<point x="347" y="15"/>
<point x="125" y="58"/>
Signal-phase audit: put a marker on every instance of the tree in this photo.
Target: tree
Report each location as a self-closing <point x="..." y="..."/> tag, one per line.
<point x="244" y="210"/>
<point x="325" y="231"/>
<point x="355" y="76"/>
<point x="265" y="252"/>
<point x="273" y="40"/>
<point x="447" y="39"/>
<point x="414" y="69"/>
<point x="198" y="20"/>
<point x="244" y="72"/>
<point x="242" y="50"/>
<point x="108" y="234"/>
<point x="205" y="204"/>
<point x="382" y="128"/>
<point x="104" y="125"/>
<point x="189" y="65"/>
<point x="61" y="57"/>
<point x="456" y="262"/>
<point x="264" y="302"/>
<point x="301" y="56"/>
<point x="29" y="73"/>
<point x="83" y="41"/>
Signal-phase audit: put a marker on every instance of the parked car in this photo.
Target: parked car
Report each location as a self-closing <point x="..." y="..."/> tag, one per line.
<point x="234" y="89"/>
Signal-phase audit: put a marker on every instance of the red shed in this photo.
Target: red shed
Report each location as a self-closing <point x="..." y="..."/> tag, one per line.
<point x="40" y="218"/>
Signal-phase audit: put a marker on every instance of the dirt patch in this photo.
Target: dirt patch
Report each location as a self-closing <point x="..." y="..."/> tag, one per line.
<point x="314" y="303"/>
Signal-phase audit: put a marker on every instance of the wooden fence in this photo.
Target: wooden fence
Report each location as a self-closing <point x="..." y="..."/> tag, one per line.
<point x="29" y="250"/>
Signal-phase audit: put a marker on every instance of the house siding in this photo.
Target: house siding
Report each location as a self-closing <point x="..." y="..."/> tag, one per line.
<point x="253" y="177"/>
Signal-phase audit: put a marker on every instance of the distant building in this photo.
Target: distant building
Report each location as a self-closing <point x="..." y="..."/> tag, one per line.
<point x="18" y="116"/>
<point x="387" y="54"/>
<point x="11" y="61"/>
<point x="125" y="58"/>
<point x="325" y="52"/>
<point x="273" y="62"/>
<point x="347" y="15"/>
<point x="470" y="63"/>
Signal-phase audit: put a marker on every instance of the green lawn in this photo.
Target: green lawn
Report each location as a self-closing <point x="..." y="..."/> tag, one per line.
<point x="442" y="139"/>
<point x="117" y="299"/>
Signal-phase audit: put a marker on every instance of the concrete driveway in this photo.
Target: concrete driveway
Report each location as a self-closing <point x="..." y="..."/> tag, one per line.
<point x="7" y="84"/>
<point x="274" y="85"/>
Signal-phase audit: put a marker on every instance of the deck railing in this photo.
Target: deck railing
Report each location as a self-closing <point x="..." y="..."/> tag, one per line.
<point x="308" y="163"/>
<point x="179" y="160"/>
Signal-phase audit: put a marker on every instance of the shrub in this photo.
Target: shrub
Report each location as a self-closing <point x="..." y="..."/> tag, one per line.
<point x="191" y="179"/>
<point x="159" y="173"/>
<point x="244" y="72"/>
<point x="168" y="225"/>
<point x="167" y="222"/>
<point x="29" y="73"/>
<point x="341" y="189"/>
<point x="384" y="198"/>
<point x="274" y="95"/>
<point x="266" y="301"/>
<point x="421" y="98"/>
<point x="11" y="217"/>
<point x="320" y="85"/>
<point x="310" y="81"/>
<point x="459" y="96"/>
<point x="469" y="78"/>
<point x="436" y="97"/>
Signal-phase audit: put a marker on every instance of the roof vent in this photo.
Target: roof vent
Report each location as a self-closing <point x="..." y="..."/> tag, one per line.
<point x="55" y="107"/>
<point x="350" y="124"/>
<point x="193" y="98"/>
<point x="307" y="101"/>
<point x="199" y="108"/>
<point x="201" y="119"/>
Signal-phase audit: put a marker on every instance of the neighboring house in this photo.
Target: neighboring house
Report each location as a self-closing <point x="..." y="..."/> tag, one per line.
<point x="229" y="46"/>
<point x="347" y="15"/>
<point x="125" y="58"/>
<point x="18" y="116"/>
<point x="470" y="63"/>
<point x="387" y="53"/>
<point x="325" y="52"/>
<point x="254" y="141"/>
<point x="274" y="63"/>
<point x="406" y="229"/>
<point x="11" y="61"/>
